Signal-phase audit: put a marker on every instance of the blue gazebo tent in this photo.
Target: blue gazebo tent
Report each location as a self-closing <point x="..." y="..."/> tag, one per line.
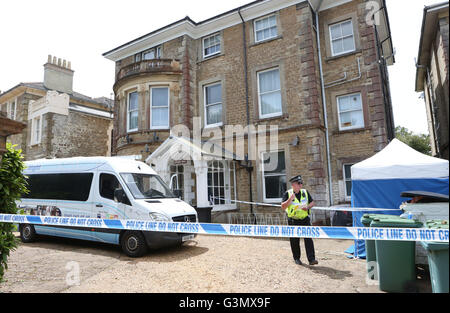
<point x="378" y="181"/>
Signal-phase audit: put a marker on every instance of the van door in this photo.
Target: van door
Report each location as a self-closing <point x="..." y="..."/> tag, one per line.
<point x="106" y="206"/>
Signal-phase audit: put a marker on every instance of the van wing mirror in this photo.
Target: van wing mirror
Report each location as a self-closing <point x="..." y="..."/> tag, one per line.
<point x="178" y="193"/>
<point x="171" y="185"/>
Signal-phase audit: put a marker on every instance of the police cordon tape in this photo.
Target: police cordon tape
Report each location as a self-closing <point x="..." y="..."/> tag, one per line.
<point x="330" y="208"/>
<point x="275" y="231"/>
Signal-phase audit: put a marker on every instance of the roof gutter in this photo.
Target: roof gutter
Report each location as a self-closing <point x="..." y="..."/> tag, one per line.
<point x="420" y="72"/>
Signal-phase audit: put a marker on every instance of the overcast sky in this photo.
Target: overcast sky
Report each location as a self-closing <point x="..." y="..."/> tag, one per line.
<point x="80" y="31"/>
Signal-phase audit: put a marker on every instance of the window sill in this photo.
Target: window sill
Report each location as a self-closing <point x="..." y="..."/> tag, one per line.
<point x="327" y="59"/>
<point x="162" y="128"/>
<point x="144" y="131"/>
<point x="204" y="59"/>
<point x="265" y="41"/>
<point x="271" y="118"/>
<point x="349" y="131"/>
<point x="218" y="125"/>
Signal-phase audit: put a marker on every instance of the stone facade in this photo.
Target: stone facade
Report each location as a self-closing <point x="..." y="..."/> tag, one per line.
<point x="294" y="52"/>
<point x="433" y="76"/>
<point x="59" y="124"/>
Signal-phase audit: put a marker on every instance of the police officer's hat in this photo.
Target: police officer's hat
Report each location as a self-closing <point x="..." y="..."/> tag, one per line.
<point x="297" y="179"/>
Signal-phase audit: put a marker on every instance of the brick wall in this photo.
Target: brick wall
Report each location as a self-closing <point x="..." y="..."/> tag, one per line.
<point x="352" y="146"/>
<point x="294" y="52"/>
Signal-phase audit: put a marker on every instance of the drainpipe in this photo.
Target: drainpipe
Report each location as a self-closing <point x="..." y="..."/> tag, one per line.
<point x="248" y="166"/>
<point x="324" y="103"/>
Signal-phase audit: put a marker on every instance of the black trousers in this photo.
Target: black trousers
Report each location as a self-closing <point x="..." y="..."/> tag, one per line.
<point x="295" y="242"/>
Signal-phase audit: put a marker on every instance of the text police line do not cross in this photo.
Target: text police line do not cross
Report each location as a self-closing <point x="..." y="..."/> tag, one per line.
<point x="276" y="231"/>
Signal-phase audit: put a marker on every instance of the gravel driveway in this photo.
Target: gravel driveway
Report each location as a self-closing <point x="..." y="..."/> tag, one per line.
<point x="208" y="264"/>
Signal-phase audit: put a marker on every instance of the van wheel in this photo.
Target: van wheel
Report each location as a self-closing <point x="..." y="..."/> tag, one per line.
<point x="27" y="233"/>
<point x="133" y="244"/>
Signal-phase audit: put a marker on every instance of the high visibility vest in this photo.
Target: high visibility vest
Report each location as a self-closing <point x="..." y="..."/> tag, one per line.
<point x="296" y="212"/>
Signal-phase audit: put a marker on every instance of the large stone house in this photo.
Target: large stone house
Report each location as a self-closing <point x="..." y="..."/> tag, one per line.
<point x="303" y="84"/>
<point x="432" y="75"/>
<point x="60" y="122"/>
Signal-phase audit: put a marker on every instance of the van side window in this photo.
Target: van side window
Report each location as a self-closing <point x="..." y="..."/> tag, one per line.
<point x="108" y="183"/>
<point x="73" y="186"/>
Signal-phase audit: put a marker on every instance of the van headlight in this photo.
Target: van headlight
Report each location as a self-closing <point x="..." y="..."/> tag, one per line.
<point x="158" y="217"/>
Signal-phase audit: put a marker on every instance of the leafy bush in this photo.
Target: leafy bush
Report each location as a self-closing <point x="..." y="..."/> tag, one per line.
<point x="12" y="186"/>
<point x="419" y="142"/>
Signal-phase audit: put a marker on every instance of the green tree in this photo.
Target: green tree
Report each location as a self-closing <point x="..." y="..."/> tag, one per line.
<point x="12" y="187"/>
<point x="420" y="142"/>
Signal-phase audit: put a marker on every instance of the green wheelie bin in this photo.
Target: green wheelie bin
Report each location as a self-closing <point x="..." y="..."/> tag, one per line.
<point x="396" y="259"/>
<point x="371" y="255"/>
<point x="437" y="258"/>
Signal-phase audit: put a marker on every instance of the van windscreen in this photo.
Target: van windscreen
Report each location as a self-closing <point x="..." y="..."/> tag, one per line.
<point x="73" y="186"/>
<point x="146" y="186"/>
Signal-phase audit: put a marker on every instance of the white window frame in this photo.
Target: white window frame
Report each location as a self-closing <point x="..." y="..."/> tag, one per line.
<point x="212" y="169"/>
<point x="271" y="200"/>
<point x="128" y="112"/>
<point x="36" y="130"/>
<point x="178" y="175"/>
<point x="11" y="114"/>
<point x="341" y="38"/>
<point x="347" y="198"/>
<point x="205" y="47"/>
<point x="229" y="187"/>
<point x="138" y="57"/>
<point x="276" y="114"/>
<point x="156" y="53"/>
<point x="205" y="105"/>
<point x="339" y="112"/>
<point x="256" y="31"/>
<point x="153" y="106"/>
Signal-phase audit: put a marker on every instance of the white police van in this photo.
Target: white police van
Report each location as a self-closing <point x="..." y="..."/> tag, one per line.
<point x="102" y="187"/>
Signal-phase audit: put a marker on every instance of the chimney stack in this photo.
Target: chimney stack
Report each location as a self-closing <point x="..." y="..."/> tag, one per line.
<point x="57" y="75"/>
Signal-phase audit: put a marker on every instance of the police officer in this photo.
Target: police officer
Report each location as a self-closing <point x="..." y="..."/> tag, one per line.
<point x="297" y="203"/>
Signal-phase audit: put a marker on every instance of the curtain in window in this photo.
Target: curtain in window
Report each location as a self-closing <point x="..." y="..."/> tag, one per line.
<point x="160" y="107"/>
<point x="266" y="28"/>
<point x="133" y="110"/>
<point x="270" y="93"/>
<point x="211" y="45"/>
<point x="213" y="95"/>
